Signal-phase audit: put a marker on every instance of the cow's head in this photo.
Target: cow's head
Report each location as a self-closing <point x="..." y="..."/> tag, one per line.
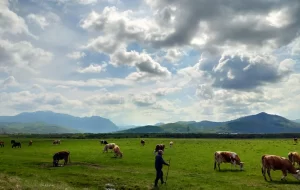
<point x="55" y="163"/>
<point x="297" y="175"/>
<point x="242" y="165"/>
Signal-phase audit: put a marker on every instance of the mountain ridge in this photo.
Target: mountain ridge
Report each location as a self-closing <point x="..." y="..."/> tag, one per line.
<point x="93" y="124"/>
<point x="257" y="123"/>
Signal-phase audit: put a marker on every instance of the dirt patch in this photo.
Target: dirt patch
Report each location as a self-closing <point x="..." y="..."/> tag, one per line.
<point x="90" y="165"/>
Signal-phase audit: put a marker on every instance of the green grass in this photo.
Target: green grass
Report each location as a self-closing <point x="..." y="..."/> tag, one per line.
<point x="191" y="165"/>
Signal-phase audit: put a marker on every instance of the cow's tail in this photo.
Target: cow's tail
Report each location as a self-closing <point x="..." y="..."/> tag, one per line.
<point x="69" y="157"/>
<point x="262" y="164"/>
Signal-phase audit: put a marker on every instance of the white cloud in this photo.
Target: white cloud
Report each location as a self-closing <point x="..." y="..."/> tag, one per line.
<point x="9" y="81"/>
<point x="93" y="68"/>
<point x="174" y="55"/>
<point x="76" y="55"/>
<point x="38" y="19"/>
<point x="10" y="22"/>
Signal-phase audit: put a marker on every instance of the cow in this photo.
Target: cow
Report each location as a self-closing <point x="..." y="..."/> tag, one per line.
<point x="109" y="146"/>
<point x="227" y="157"/>
<point x="16" y="144"/>
<point x="103" y="142"/>
<point x="12" y="141"/>
<point x="295" y="140"/>
<point x="56" y="142"/>
<point x="159" y="147"/>
<point x="143" y="142"/>
<point x="30" y="143"/>
<point x="62" y="155"/>
<point x="294" y="157"/>
<point x="171" y="144"/>
<point x="275" y="162"/>
<point x="1" y="144"/>
<point x="117" y="151"/>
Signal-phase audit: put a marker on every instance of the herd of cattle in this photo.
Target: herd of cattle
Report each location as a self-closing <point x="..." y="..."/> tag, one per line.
<point x="268" y="162"/>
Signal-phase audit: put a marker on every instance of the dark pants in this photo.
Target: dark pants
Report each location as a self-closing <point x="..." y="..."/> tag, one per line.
<point x="159" y="175"/>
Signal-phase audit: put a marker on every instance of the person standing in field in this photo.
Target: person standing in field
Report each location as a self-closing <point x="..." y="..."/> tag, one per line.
<point x="159" y="162"/>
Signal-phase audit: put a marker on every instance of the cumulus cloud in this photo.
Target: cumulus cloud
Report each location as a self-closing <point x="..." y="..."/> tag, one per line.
<point x="143" y="100"/>
<point x="165" y="91"/>
<point x="145" y="65"/>
<point x="106" y="98"/>
<point x="9" y="81"/>
<point x="43" y="20"/>
<point x="76" y="55"/>
<point x="10" y="22"/>
<point x="22" y="54"/>
<point x="174" y="55"/>
<point x="93" y="68"/>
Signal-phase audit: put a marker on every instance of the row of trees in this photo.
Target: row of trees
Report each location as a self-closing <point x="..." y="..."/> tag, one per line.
<point x="157" y="135"/>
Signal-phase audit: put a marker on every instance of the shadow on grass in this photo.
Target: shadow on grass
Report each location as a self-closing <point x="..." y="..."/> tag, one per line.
<point x="50" y="165"/>
<point x="284" y="182"/>
<point x="229" y="170"/>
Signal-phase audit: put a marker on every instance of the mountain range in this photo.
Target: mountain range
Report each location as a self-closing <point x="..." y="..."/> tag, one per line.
<point x="64" y="123"/>
<point x="42" y="122"/>
<point x="259" y="123"/>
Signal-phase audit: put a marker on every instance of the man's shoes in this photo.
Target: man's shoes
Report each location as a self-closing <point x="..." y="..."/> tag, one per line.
<point x="163" y="182"/>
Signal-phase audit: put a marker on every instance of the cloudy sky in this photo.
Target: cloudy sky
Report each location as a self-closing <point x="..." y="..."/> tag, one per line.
<point x="143" y="62"/>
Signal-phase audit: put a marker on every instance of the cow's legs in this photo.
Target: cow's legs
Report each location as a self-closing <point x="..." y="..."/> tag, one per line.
<point x="215" y="165"/>
<point x="219" y="166"/>
<point x="263" y="171"/>
<point x="284" y="174"/>
<point x="269" y="174"/>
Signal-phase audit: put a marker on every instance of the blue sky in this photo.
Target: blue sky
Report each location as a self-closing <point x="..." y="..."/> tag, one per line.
<point x="144" y="62"/>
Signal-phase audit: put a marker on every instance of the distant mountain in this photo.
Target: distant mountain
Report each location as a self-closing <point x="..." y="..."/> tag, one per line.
<point x="36" y="128"/>
<point x="259" y="123"/>
<point x="297" y="120"/>
<point x="94" y="124"/>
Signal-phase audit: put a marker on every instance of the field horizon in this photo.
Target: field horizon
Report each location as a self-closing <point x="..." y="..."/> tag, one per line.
<point x="30" y="167"/>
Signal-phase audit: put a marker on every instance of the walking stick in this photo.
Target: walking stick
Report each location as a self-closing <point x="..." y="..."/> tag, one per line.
<point x="168" y="172"/>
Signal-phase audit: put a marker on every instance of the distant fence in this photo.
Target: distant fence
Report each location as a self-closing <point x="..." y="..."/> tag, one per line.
<point x="156" y="135"/>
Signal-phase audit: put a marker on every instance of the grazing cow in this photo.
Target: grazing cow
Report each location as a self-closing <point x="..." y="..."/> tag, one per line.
<point x="12" y="141"/>
<point x="16" y="144"/>
<point x="159" y="147"/>
<point x="117" y="151"/>
<point x="143" y="142"/>
<point x="103" y="142"/>
<point x="1" y="144"/>
<point x="30" y="143"/>
<point x="294" y="157"/>
<point x="278" y="163"/>
<point x="227" y="157"/>
<point x="171" y="144"/>
<point x="62" y="155"/>
<point x="56" y="142"/>
<point x="109" y="146"/>
<point x="295" y="140"/>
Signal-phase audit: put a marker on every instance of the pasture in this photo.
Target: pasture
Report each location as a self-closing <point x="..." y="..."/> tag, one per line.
<point x="192" y="160"/>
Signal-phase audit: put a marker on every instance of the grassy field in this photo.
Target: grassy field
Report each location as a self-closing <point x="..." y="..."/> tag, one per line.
<point x="191" y="165"/>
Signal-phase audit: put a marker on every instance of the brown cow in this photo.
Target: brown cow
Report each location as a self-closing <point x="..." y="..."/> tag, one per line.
<point x="109" y="146"/>
<point x="62" y="155"/>
<point x="143" y="142"/>
<point x="159" y="147"/>
<point x="227" y="157"/>
<point x="30" y="143"/>
<point x="1" y="144"/>
<point x="278" y="163"/>
<point x="294" y="157"/>
<point x="117" y="151"/>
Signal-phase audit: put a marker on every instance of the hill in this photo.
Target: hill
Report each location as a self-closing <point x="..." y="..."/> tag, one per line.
<point x="35" y="128"/>
<point x="259" y="123"/>
<point x="297" y="120"/>
<point x="94" y="124"/>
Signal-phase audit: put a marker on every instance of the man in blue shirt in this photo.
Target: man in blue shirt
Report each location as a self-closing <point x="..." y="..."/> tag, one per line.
<point x="159" y="162"/>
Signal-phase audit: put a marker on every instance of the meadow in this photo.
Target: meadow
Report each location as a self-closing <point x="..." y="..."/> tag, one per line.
<point x="192" y="160"/>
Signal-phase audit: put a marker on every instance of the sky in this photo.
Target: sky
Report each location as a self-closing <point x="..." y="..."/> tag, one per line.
<point x="143" y="62"/>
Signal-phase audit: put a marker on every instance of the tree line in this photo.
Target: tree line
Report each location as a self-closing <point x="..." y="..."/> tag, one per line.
<point x="156" y="135"/>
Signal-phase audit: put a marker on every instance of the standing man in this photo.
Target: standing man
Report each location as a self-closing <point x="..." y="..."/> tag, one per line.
<point x="159" y="162"/>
